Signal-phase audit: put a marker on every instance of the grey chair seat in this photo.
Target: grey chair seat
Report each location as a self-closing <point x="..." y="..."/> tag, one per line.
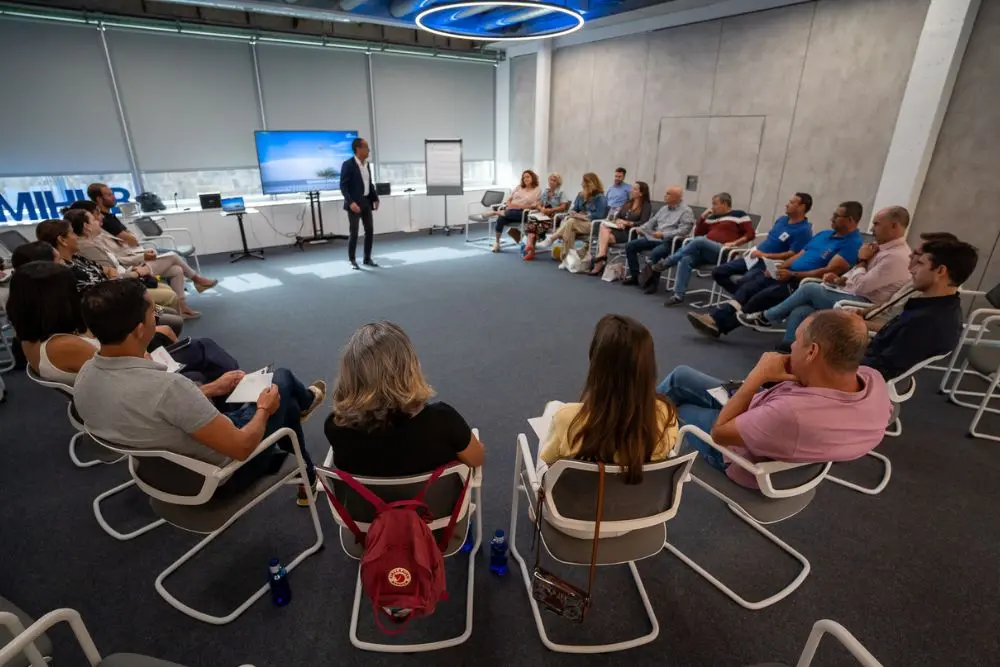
<point x="753" y="502"/>
<point x="984" y="359"/>
<point x="224" y="504"/>
<point x="479" y="217"/>
<point x="355" y="550"/>
<point x="134" y="660"/>
<point x="185" y="250"/>
<point x="635" y="545"/>
<point x="43" y="643"/>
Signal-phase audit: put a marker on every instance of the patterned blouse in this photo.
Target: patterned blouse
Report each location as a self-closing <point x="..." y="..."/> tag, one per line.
<point x="87" y="272"/>
<point x="551" y="198"/>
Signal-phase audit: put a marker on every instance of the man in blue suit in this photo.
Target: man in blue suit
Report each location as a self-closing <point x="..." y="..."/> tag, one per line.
<point x="360" y="199"/>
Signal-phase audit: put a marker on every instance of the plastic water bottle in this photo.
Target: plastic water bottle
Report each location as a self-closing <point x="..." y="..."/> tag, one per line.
<point x="281" y="592"/>
<point x="470" y="538"/>
<point x="498" y="553"/>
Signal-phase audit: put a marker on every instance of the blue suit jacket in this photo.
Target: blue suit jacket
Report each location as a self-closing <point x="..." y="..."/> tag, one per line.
<point x="352" y="186"/>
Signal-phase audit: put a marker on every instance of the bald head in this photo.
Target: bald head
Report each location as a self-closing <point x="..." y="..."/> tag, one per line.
<point x="841" y="338"/>
<point x="890" y="223"/>
<point x="674" y="195"/>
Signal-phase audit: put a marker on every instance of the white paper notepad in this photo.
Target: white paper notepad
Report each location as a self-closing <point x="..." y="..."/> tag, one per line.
<point x="540" y="425"/>
<point x="251" y="386"/>
<point x="161" y="356"/>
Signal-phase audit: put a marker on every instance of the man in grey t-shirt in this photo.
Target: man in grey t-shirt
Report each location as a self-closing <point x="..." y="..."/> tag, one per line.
<point x="675" y="219"/>
<point x="133" y="401"/>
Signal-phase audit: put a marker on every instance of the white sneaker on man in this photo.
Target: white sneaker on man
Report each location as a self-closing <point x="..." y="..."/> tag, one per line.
<point x="545" y="243"/>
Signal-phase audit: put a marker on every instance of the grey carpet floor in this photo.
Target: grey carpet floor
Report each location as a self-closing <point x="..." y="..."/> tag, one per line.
<point x="911" y="572"/>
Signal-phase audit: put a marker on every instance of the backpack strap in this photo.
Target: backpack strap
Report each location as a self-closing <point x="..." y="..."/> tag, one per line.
<point x="362" y="491"/>
<point x="449" y="530"/>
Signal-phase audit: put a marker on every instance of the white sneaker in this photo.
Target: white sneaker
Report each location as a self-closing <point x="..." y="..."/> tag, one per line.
<point x="562" y="265"/>
<point x="545" y="243"/>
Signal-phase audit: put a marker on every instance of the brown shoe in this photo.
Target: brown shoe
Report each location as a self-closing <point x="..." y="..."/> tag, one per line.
<point x="515" y="234"/>
<point x="318" y="389"/>
<point x="207" y="285"/>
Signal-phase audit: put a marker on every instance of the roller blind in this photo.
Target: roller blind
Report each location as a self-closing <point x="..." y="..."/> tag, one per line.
<point x="58" y="114"/>
<point x="314" y="89"/>
<point x="190" y="103"/>
<point x="420" y="98"/>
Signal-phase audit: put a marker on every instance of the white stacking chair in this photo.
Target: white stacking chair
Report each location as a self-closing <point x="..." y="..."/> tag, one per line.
<point x="23" y="649"/>
<point x="570" y="497"/>
<point x="474" y="214"/>
<point x="785" y="490"/>
<point x="840" y="633"/>
<point x="441" y="498"/>
<point x="898" y="396"/>
<point x="102" y="455"/>
<point x="154" y="236"/>
<point x="35" y="652"/>
<point x="716" y="295"/>
<point x="191" y="495"/>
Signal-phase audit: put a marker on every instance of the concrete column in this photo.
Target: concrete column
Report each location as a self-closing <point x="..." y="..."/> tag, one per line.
<point x="935" y="67"/>
<point x="501" y="145"/>
<point x="543" y="104"/>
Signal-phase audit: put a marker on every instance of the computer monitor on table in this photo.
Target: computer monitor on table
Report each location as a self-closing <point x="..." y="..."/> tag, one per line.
<point x="233" y="205"/>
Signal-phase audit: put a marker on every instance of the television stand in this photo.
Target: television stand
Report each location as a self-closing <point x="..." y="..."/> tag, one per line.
<point x="318" y="235"/>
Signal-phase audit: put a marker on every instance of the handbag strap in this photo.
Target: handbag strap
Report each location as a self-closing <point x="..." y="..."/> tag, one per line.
<point x="537" y="539"/>
<point x="597" y="529"/>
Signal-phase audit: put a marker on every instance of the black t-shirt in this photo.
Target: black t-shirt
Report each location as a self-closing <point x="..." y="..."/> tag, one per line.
<point x="112" y="225"/>
<point x="407" y="446"/>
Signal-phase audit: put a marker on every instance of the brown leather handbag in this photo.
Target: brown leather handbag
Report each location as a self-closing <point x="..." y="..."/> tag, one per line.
<point x="553" y="593"/>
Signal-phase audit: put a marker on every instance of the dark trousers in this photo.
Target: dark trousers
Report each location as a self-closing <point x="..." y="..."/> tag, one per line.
<point x="353" y="218"/>
<point x="510" y="216"/>
<point x="756" y="293"/>
<point x="724" y="273"/>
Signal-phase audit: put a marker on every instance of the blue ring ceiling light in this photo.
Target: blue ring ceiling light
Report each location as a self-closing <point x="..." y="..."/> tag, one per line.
<point x="446" y="20"/>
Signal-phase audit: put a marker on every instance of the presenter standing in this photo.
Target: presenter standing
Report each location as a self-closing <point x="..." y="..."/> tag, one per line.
<point x="360" y="199"/>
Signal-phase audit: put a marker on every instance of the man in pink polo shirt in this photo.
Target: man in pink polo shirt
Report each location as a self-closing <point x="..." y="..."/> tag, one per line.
<point x="882" y="268"/>
<point x="824" y="407"/>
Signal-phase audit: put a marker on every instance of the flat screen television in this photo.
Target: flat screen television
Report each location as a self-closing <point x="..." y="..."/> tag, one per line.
<point x="301" y="160"/>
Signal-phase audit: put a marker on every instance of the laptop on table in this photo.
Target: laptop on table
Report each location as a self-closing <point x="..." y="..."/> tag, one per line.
<point x="233" y="205"/>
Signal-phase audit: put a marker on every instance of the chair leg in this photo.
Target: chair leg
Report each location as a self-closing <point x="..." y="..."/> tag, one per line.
<point x="107" y="527"/>
<point x="987" y="397"/>
<point x="75" y="459"/>
<point x="733" y="595"/>
<point x="877" y="489"/>
<point x="260" y="592"/>
<point x="426" y="646"/>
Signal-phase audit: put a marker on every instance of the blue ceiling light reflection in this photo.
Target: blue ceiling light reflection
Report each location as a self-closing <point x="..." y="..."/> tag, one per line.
<point x="500" y="20"/>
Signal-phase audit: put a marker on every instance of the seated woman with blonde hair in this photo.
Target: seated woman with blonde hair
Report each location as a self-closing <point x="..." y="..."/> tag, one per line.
<point x="620" y="418"/>
<point x="589" y="205"/>
<point x="383" y="424"/>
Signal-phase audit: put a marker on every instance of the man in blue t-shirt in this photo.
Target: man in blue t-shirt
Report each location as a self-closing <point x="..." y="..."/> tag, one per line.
<point x="790" y="234"/>
<point x="620" y="191"/>
<point x="833" y="250"/>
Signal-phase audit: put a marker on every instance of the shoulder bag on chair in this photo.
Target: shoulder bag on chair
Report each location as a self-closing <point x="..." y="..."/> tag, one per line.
<point x="550" y="591"/>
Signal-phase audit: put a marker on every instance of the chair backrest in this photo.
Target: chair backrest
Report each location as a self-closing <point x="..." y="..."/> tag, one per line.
<point x="697" y="210"/>
<point x="907" y="380"/>
<point x="867" y="237"/>
<point x="993" y="296"/>
<point x="571" y="494"/>
<point x="11" y="240"/>
<point x="777" y="479"/>
<point x="171" y="477"/>
<point x="63" y="388"/>
<point x="655" y="206"/>
<point x="148" y="226"/>
<point x="492" y="198"/>
<point x="755" y="220"/>
<point x="441" y="497"/>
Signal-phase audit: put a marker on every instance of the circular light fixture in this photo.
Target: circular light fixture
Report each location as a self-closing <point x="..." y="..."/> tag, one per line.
<point x="574" y="17"/>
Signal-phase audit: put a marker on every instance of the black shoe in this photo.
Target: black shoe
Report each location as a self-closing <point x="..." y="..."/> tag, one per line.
<point x="631" y="280"/>
<point x="673" y="301"/>
<point x="370" y="262"/>
<point x="652" y="287"/>
<point x="354" y="265"/>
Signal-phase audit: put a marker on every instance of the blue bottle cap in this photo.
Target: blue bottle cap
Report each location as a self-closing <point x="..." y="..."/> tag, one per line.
<point x="498" y="533"/>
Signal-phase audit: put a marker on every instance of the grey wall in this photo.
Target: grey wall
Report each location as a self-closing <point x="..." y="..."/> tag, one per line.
<point x="798" y="98"/>
<point x="962" y="182"/>
<point x="522" y="112"/>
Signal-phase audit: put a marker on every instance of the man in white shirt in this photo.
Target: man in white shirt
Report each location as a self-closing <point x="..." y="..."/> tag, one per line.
<point x="360" y="199"/>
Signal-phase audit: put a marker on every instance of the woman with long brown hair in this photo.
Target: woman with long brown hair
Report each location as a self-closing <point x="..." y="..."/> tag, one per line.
<point x="591" y="204"/>
<point x="620" y="418"/>
<point x="383" y="423"/>
<point x="636" y="211"/>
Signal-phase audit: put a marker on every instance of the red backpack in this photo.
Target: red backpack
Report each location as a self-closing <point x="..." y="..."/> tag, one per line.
<point x="402" y="567"/>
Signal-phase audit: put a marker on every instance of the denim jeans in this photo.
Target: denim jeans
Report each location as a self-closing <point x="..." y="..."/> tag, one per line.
<point x="804" y="301"/>
<point x="660" y="250"/>
<point x="688" y="389"/>
<point x="697" y="252"/>
<point x="723" y="274"/>
<point x="295" y="398"/>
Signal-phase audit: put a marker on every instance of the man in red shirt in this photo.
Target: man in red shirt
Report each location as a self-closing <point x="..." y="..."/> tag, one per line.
<point x="719" y="227"/>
